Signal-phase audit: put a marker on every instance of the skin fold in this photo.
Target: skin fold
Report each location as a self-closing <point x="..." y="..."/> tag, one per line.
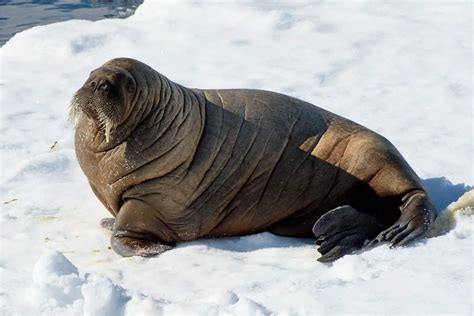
<point x="174" y="164"/>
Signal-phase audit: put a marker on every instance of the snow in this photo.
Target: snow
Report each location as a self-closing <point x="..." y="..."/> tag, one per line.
<point x="402" y="69"/>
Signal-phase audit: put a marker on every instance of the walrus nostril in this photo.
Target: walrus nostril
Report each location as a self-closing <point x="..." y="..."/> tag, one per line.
<point x="100" y="85"/>
<point x="104" y="87"/>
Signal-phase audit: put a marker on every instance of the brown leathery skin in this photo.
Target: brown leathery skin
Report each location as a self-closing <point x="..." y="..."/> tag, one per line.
<point x="233" y="162"/>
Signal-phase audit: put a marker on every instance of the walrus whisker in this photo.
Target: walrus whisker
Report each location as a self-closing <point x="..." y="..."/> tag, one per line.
<point x="74" y="113"/>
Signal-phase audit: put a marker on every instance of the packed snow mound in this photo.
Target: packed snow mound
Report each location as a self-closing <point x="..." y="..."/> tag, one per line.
<point x="59" y="289"/>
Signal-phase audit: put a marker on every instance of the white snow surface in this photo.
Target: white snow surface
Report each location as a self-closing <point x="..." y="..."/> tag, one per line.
<point x="403" y="69"/>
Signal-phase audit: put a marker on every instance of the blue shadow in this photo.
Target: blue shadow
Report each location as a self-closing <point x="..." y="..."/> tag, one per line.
<point x="443" y="192"/>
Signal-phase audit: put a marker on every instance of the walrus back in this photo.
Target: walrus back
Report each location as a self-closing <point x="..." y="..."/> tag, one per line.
<point x="282" y="158"/>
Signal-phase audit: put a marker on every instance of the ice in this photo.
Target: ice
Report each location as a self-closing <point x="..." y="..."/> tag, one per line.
<point x="402" y="69"/>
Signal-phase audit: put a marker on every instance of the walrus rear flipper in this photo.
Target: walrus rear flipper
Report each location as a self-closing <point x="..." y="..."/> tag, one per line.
<point x="342" y="231"/>
<point x="417" y="215"/>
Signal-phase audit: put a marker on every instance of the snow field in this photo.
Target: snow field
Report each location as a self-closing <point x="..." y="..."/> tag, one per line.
<point x="401" y="69"/>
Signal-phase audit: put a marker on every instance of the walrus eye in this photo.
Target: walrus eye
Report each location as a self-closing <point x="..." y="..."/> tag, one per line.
<point x="93" y="84"/>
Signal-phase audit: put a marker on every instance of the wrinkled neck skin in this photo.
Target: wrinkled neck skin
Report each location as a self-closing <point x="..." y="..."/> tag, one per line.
<point x="163" y="124"/>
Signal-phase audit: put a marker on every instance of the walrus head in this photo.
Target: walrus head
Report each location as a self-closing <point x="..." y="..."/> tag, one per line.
<point x="127" y="102"/>
<point x="106" y="96"/>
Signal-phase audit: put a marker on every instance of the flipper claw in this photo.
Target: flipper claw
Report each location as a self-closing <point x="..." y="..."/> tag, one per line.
<point x="417" y="215"/>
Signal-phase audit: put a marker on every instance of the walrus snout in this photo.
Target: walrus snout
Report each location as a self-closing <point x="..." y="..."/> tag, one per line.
<point x="106" y="93"/>
<point x="105" y="98"/>
<point x="109" y="79"/>
<point x="103" y="83"/>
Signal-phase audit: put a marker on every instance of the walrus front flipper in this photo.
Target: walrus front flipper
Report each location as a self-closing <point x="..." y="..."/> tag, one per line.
<point x="342" y="231"/>
<point x="138" y="231"/>
<point x="417" y="215"/>
<point x="128" y="246"/>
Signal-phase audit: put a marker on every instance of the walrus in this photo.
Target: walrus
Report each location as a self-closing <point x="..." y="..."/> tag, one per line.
<point x="174" y="164"/>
